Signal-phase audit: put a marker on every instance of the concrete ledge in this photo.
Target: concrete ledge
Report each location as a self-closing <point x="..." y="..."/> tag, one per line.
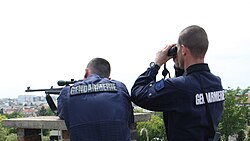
<point x="29" y="129"/>
<point x="53" y="122"/>
<point x="42" y="122"/>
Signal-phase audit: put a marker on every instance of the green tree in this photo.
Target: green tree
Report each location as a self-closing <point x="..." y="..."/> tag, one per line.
<point x="11" y="137"/>
<point x="45" y="112"/>
<point x="241" y="135"/>
<point x="49" y="112"/>
<point x="15" y="114"/>
<point x="234" y="117"/>
<point x="3" y="131"/>
<point x="155" y="128"/>
<point x="42" y="111"/>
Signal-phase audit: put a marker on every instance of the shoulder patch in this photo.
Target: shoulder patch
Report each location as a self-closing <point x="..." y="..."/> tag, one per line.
<point x="212" y="97"/>
<point x="159" y="85"/>
<point x="93" y="88"/>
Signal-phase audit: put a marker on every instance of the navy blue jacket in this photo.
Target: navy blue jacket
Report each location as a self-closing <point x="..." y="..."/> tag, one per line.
<point x="96" y="109"/>
<point x="182" y="102"/>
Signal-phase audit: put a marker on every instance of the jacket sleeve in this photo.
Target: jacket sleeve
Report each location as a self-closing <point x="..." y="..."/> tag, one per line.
<point x="61" y="102"/>
<point x="155" y="95"/>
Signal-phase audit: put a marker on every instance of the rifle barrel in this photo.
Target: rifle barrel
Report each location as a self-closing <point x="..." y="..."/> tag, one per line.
<point x="47" y="91"/>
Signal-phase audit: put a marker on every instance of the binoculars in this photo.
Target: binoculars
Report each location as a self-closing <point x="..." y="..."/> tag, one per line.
<point x="172" y="51"/>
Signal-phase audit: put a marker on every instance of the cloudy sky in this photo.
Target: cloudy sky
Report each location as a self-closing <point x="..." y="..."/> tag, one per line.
<point x="45" y="41"/>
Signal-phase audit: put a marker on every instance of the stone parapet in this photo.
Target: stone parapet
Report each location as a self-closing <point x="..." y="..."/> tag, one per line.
<point x="28" y="129"/>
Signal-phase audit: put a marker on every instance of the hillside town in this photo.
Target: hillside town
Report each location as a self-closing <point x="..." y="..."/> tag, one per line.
<point x="26" y="105"/>
<point x="29" y="105"/>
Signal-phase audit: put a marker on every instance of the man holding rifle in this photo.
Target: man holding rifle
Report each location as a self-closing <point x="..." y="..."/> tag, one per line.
<point x="96" y="108"/>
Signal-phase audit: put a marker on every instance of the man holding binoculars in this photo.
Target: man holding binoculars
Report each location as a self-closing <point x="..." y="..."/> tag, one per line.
<point x="192" y="102"/>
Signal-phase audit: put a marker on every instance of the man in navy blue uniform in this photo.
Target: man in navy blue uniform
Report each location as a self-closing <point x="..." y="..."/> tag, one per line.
<point x="96" y="108"/>
<point x="181" y="98"/>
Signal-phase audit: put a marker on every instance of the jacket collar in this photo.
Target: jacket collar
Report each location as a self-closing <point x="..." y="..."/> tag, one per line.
<point x="197" y="67"/>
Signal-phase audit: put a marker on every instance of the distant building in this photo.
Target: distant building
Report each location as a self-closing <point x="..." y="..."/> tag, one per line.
<point x="28" y="112"/>
<point x="25" y="99"/>
<point x="9" y="111"/>
<point x="6" y="102"/>
<point x="31" y="100"/>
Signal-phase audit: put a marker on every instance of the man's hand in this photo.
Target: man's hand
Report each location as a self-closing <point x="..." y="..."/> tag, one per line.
<point x="161" y="55"/>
